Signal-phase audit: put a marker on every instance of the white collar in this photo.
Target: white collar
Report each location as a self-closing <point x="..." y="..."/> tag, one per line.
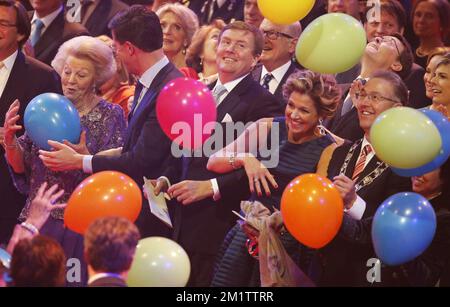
<point x="366" y="142"/>
<point x="9" y="61"/>
<point x="47" y="20"/>
<point x="103" y="275"/>
<point x="232" y="84"/>
<point x="277" y="73"/>
<point x="149" y="75"/>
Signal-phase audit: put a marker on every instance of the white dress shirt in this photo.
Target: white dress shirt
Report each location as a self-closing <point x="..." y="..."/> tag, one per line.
<point x="278" y="75"/>
<point x="5" y="71"/>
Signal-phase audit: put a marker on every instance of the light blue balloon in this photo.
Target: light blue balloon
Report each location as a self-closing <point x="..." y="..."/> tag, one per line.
<point x="53" y="117"/>
<point x="443" y="126"/>
<point x="5" y="258"/>
<point x="403" y="228"/>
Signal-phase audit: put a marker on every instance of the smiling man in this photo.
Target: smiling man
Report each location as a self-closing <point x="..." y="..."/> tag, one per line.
<point x="276" y="63"/>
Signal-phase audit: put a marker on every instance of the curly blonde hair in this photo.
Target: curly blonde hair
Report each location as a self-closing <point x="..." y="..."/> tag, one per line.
<point x="322" y="89"/>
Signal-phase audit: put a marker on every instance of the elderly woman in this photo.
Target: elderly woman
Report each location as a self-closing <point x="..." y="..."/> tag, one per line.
<point x="201" y="54"/>
<point x="440" y="86"/>
<point x="430" y="21"/>
<point x="84" y="63"/>
<point x="299" y="144"/>
<point x="179" y="24"/>
<point x="118" y="89"/>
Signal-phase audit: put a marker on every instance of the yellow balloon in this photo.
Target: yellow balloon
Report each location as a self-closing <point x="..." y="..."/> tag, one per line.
<point x="285" y="12"/>
<point x="331" y="44"/>
<point x="405" y="138"/>
<point x="159" y="262"/>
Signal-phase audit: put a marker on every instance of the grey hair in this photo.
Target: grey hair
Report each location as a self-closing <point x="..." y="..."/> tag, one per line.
<point x="89" y="48"/>
<point x="189" y="20"/>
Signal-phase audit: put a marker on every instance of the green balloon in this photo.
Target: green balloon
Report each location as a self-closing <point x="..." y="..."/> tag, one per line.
<point x="405" y="138"/>
<point x="331" y="44"/>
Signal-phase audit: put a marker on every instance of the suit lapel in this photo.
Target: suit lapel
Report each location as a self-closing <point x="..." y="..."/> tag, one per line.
<point x="50" y="36"/>
<point x="233" y="98"/>
<point x="279" y="90"/>
<point x="256" y="73"/>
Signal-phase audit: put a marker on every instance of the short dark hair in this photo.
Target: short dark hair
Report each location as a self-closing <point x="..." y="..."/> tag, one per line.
<point x="400" y="89"/>
<point x="443" y="8"/>
<point x="38" y="262"/>
<point x="139" y="26"/>
<point x="110" y="244"/>
<point x="23" y="23"/>
<point x="406" y="57"/>
<point x="393" y="8"/>
<point x="257" y="34"/>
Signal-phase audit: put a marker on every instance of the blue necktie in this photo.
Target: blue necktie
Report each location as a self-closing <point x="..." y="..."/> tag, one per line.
<point x="36" y="34"/>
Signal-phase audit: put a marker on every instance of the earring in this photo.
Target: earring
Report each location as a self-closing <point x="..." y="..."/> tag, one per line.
<point x="320" y="130"/>
<point x="201" y="62"/>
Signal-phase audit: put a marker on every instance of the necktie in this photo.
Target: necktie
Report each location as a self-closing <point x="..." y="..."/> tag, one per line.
<point x="218" y="92"/>
<point x="267" y="78"/>
<point x="137" y="97"/>
<point x="361" y="161"/>
<point x="36" y="34"/>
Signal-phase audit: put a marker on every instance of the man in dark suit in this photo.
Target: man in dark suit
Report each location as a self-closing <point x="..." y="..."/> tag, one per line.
<point x="388" y="53"/>
<point x="21" y="78"/>
<point x="49" y="29"/>
<point x="276" y="63"/>
<point x="137" y="38"/>
<point x="96" y="14"/>
<point x="109" y="247"/>
<point x="208" y="10"/>
<point x="362" y="178"/>
<point x="203" y="214"/>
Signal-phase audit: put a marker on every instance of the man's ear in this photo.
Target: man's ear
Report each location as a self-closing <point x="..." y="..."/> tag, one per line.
<point x="20" y="37"/>
<point x="402" y="30"/>
<point x="255" y="60"/>
<point x="131" y="49"/>
<point x="397" y="66"/>
<point x="293" y="45"/>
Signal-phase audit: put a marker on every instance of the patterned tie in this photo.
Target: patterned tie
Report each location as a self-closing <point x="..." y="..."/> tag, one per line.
<point x="267" y="78"/>
<point x="361" y="161"/>
<point x="36" y="34"/>
<point x="218" y="92"/>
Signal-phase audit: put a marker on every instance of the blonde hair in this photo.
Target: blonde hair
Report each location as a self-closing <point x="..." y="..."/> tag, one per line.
<point x="122" y="72"/>
<point x="321" y="88"/>
<point x="92" y="49"/>
<point x="188" y="19"/>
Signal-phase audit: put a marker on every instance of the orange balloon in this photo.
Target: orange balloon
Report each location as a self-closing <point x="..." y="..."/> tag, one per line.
<point x="103" y="194"/>
<point x="312" y="209"/>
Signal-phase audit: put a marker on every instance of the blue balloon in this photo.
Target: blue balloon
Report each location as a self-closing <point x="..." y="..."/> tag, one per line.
<point x="5" y="258"/>
<point x="403" y="227"/>
<point x="443" y="125"/>
<point x="53" y="117"/>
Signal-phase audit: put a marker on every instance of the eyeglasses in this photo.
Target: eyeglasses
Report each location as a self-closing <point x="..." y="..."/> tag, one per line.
<point x="273" y="35"/>
<point x="6" y="24"/>
<point x="374" y="97"/>
<point x="391" y="39"/>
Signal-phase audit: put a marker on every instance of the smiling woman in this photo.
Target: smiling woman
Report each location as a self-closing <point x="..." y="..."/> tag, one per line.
<point x="440" y="86"/>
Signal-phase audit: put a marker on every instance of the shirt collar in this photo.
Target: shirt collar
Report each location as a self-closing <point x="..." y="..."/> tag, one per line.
<point x="9" y="61"/>
<point x="366" y="142"/>
<point x="47" y="20"/>
<point x="232" y="84"/>
<point x="277" y="73"/>
<point x="149" y="75"/>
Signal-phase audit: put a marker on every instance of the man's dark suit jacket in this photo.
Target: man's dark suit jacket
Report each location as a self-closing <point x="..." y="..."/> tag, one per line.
<point x="57" y="33"/>
<point x="108" y="282"/>
<point x="256" y="73"/>
<point x="230" y="10"/>
<point x="344" y="259"/>
<point x="28" y="79"/>
<point x="200" y="227"/>
<point x="97" y="24"/>
<point x="146" y="149"/>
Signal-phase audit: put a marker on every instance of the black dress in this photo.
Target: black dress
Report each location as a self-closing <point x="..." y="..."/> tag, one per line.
<point x="234" y="266"/>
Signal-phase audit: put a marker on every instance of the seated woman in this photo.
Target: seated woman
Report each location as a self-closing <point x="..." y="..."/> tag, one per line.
<point x="201" y="54"/>
<point x="179" y="24"/>
<point x="298" y="143"/>
<point x="433" y="59"/>
<point x="83" y="63"/>
<point x="440" y="86"/>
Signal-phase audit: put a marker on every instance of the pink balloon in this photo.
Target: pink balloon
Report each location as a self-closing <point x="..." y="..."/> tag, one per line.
<point x="183" y="108"/>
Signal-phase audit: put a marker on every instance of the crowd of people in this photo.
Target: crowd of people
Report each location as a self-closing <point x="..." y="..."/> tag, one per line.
<point x="118" y="57"/>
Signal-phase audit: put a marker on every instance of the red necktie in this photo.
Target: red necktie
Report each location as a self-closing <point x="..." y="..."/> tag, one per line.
<point x="361" y="161"/>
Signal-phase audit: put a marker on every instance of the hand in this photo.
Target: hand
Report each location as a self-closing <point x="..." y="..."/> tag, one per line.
<point x="10" y="125"/>
<point x="63" y="158"/>
<point x="258" y="174"/>
<point x="346" y="188"/>
<point x="189" y="191"/>
<point x="355" y="88"/>
<point x="81" y="147"/>
<point x="160" y="185"/>
<point x="43" y="204"/>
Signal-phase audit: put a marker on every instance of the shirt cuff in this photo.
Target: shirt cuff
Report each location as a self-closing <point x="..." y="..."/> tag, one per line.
<point x="215" y="186"/>
<point x="357" y="210"/>
<point x="87" y="164"/>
